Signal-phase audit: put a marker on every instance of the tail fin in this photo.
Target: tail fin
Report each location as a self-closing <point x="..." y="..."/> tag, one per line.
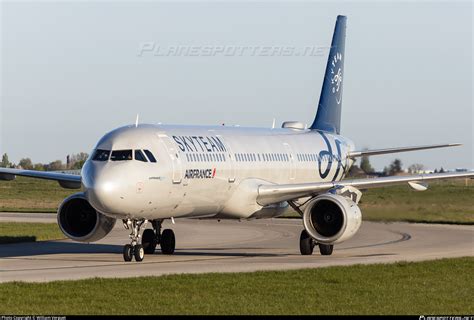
<point x="328" y="116"/>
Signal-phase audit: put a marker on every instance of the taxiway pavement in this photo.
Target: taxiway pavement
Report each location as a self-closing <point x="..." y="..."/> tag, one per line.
<point x="226" y="246"/>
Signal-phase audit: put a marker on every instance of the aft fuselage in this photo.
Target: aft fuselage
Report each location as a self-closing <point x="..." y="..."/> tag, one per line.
<point x="205" y="171"/>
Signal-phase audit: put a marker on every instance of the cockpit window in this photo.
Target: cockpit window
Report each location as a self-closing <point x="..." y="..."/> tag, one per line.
<point x="150" y="156"/>
<point x="140" y="156"/>
<point x="101" y="155"/>
<point x="121" y="155"/>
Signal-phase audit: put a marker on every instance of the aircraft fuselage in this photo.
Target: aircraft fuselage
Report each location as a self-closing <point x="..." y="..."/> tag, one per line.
<point x="199" y="169"/>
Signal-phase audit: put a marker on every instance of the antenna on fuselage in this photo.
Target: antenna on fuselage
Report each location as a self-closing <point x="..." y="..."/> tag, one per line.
<point x="273" y="124"/>
<point x="136" y="121"/>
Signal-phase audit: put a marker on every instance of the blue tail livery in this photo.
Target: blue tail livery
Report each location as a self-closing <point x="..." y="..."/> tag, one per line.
<point x="328" y="116"/>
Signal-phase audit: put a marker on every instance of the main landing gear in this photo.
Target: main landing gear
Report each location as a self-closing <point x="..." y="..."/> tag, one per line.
<point x="150" y="239"/>
<point x="307" y="245"/>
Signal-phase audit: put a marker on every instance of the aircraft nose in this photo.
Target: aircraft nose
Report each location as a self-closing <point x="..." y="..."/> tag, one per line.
<point x="104" y="188"/>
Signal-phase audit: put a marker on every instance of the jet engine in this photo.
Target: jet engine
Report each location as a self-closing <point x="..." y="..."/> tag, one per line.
<point x="79" y="221"/>
<point x="331" y="218"/>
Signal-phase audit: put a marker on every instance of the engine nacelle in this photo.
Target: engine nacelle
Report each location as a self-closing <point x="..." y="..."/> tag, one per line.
<point x="79" y="221"/>
<point x="331" y="218"/>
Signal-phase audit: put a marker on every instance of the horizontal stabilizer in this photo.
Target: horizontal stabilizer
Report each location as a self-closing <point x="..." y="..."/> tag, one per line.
<point x="376" y="152"/>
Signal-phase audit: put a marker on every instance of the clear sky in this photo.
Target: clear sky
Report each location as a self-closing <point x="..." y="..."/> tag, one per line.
<point x="71" y="71"/>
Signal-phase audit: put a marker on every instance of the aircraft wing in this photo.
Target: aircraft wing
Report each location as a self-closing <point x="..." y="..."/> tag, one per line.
<point x="376" y="152"/>
<point x="268" y="194"/>
<point x="65" y="180"/>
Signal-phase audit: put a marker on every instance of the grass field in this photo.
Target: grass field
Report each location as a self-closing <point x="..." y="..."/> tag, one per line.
<point x="444" y="202"/>
<point x="434" y="287"/>
<point x="11" y="232"/>
<point x="31" y="195"/>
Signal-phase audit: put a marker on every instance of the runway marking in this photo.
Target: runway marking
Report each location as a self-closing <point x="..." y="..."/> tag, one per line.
<point x="136" y="264"/>
<point x="374" y="255"/>
<point x="405" y="237"/>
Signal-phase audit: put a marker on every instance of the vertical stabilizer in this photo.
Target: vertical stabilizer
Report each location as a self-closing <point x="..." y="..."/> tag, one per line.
<point x="328" y="115"/>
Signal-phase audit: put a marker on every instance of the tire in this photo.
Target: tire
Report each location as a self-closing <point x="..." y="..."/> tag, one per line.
<point x="306" y="244"/>
<point x="149" y="241"/>
<point x="138" y="253"/>
<point x="127" y="253"/>
<point x="326" y="249"/>
<point x="167" y="242"/>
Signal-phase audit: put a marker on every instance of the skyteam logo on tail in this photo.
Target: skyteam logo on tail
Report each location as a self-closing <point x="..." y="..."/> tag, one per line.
<point x="328" y="116"/>
<point x="336" y="76"/>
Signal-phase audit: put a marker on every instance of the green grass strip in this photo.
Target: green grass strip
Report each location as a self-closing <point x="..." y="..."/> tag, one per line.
<point x="432" y="287"/>
<point x="11" y="232"/>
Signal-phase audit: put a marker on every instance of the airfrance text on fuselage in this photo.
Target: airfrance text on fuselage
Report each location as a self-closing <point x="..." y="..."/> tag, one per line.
<point x="200" y="173"/>
<point x="199" y="144"/>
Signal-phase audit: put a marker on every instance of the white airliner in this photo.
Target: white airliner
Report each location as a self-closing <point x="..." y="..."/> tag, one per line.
<point x="149" y="173"/>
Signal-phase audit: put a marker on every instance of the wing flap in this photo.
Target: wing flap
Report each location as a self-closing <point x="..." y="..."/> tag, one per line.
<point x="268" y="194"/>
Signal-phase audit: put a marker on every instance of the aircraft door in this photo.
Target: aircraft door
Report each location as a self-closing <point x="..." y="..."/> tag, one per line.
<point x="289" y="151"/>
<point x="174" y="156"/>
<point x="231" y="157"/>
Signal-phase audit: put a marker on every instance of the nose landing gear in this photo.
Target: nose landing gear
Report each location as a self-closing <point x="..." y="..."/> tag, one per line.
<point x="134" y="250"/>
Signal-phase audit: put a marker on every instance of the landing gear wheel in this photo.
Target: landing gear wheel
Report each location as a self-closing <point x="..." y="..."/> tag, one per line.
<point x="306" y="243"/>
<point x="167" y="241"/>
<point x="149" y="241"/>
<point x="134" y="249"/>
<point x="326" y="249"/>
<point x="127" y="253"/>
<point x="138" y="252"/>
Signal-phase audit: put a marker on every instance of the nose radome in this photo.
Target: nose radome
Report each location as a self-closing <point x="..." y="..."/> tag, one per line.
<point x="104" y="189"/>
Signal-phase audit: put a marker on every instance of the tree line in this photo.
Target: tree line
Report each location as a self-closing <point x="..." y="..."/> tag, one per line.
<point x="73" y="162"/>
<point x="394" y="168"/>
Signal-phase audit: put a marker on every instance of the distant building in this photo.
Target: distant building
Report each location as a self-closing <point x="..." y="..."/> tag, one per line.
<point x="426" y="171"/>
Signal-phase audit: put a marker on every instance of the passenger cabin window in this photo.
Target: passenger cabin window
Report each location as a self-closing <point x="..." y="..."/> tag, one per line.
<point x="101" y="155"/>
<point x="121" y="155"/>
<point x="150" y="155"/>
<point x="140" y="156"/>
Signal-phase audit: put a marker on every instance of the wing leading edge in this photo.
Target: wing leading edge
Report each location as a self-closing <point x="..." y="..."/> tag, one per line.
<point x="65" y="180"/>
<point x="268" y="194"/>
